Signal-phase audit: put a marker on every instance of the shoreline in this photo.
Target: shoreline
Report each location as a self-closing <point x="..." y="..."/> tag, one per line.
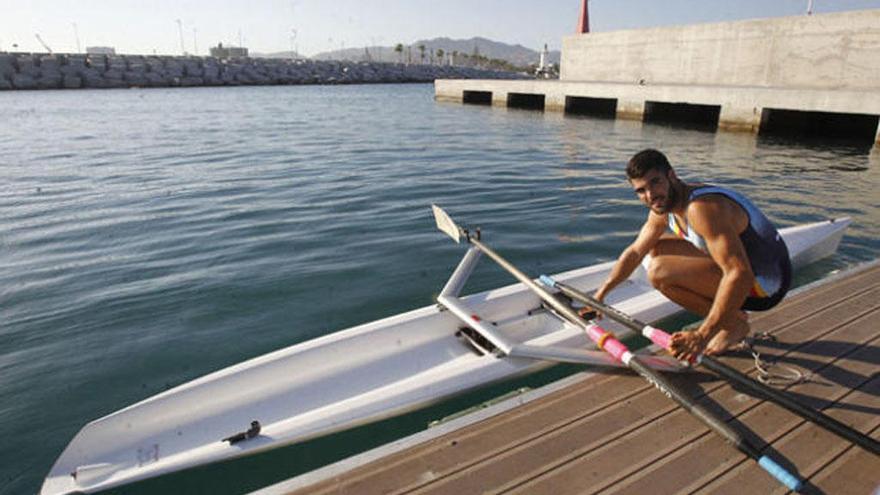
<point x="37" y="71"/>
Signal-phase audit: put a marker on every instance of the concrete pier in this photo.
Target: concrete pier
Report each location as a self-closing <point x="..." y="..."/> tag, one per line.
<point x="802" y="73"/>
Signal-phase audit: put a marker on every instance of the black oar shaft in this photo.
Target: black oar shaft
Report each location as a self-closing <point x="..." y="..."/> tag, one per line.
<point x="719" y="426"/>
<point x="817" y="417"/>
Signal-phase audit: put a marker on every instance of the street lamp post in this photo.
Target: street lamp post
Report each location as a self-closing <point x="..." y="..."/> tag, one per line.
<point x="180" y="31"/>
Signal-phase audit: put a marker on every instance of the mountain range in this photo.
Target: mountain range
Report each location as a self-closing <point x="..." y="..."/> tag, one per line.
<point x="516" y="55"/>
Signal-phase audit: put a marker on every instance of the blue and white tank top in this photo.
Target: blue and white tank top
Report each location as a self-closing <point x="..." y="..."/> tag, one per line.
<point x="764" y="247"/>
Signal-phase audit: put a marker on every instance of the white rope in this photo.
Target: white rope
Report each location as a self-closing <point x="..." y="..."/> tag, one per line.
<point x="782" y="375"/>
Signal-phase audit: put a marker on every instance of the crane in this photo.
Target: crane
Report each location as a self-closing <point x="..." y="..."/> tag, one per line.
<point x="43" y="43"/>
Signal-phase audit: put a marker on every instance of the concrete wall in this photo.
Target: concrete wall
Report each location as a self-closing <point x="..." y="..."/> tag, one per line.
<point x="741" y="108"/>
<point x="827" y="51"/>
<point x="71" y="71"/>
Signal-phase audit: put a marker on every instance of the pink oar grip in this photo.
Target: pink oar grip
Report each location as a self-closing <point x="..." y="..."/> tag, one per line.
<point x="606" y="341"/>
<point x="595" y="333"/>
<point x="657" y="336"/>
<point x="615" y="348"/>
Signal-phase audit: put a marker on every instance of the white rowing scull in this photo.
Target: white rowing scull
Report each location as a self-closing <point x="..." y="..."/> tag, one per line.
<point x="363" y="374"/>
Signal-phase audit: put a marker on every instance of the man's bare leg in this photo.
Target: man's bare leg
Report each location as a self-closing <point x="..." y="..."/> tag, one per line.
<point x="690" y="278"/>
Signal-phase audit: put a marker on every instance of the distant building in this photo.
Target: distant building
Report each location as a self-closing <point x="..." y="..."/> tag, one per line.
<point x="544" y="69"/>
<point x="221" y="51"/>
<point x="101" y="50"/>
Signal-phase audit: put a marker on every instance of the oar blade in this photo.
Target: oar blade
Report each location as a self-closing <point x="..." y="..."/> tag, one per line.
<point x="446" y="224"/>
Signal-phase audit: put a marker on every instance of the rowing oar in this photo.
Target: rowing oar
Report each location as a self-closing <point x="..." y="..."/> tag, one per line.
<point x="608" y="343"/>
<point x="663" y="340"/>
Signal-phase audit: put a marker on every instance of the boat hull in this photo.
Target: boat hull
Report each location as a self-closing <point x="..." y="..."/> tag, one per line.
<point x="352" y="377"/>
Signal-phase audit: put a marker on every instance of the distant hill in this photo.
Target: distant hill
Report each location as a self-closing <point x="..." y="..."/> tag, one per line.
<point x="287" y="54"/>
<point x="516" y="55"/>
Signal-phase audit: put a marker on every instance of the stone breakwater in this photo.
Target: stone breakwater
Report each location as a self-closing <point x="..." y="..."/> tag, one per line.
<point x="72" y="71"/>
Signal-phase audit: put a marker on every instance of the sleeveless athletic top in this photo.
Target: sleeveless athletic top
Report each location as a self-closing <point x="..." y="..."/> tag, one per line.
<point x="764" y="247"/>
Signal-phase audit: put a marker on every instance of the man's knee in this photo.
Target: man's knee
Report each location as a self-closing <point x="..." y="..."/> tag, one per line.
<point x="658" y="272"/>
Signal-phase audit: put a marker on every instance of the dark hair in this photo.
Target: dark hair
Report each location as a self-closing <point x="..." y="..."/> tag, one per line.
<point x="646" y="160"/>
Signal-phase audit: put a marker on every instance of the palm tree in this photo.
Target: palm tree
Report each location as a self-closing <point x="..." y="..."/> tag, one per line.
<point x="422" y="49"/>
<point x="399" y="49"/>
<point x="440" y="54"/>
<point x="454" y="57"/>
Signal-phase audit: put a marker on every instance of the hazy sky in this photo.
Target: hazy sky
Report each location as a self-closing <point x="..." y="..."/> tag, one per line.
<point x="313" y="26"/>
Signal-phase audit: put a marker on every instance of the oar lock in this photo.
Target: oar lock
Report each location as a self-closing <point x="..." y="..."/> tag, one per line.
<point x="251" y="432"/>
<point x="467" y="233"/>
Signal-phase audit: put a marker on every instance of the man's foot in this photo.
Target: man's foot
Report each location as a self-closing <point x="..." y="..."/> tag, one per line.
<point x="726" y="338"/>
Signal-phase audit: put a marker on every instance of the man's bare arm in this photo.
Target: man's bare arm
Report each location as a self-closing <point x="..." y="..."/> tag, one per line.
<point x="719" y="222"/>
<point x="630" y="258"/>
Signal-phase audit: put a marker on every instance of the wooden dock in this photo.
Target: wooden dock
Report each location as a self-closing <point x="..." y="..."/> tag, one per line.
<point x="614" y="433"/>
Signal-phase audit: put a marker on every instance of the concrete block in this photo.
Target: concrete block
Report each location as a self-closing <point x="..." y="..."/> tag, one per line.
<point x="50" y="81"/>
<point x="117" y="63"/>
<point x="78" y="61"/>
<point x="91" y="78"/>
<point x="193" y="70"/>
<point x="211" y="71"/>
<point x="69" y="70"/>
<point x="50" y="63"/>
<point x="135" y="78"/>
<point x="739" y="117"/>
<point x="825" y="51"/>
<point x="155" y="79"/>
<point x="27" y="65"/>
<point x="72" y="82"/>
<point x="50" y="71"/>
<point x="24" y="81"/>
<point x="98" y="62"/>
<point x="7" y="66"/>
<point x="113" y="74"/>
<point x="154" y="64"/>
<point x="630" y="109"/>
<point x="554" y="101"/>
<point x="191" y="81"/>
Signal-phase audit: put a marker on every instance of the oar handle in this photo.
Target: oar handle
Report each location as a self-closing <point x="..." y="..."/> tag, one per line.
<point x="780" y="473"/>
<point x="657" y="336"/>
<point x="606" y="341"/>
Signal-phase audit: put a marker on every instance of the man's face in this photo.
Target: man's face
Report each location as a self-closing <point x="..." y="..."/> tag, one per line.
<point x="655" y="191"/>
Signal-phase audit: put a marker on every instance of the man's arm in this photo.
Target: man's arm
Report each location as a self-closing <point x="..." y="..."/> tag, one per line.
<point x="630" y="258"/>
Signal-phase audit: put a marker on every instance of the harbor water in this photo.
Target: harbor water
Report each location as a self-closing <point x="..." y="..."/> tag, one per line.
<point x="148" y="237"/>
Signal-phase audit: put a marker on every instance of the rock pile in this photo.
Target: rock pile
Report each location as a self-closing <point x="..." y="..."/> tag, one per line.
<point x="59" y="71"/>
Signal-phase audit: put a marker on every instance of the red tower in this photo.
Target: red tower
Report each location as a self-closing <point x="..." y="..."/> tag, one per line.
<point x="584" y="18"/>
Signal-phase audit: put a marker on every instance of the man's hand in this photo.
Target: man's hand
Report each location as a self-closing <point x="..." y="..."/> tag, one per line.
<point x="686" y="346"/>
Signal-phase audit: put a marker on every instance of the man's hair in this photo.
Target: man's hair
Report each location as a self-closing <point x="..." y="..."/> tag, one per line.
<point x="646" y="160"/>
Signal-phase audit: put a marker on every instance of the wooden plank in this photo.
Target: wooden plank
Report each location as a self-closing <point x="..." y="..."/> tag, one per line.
<point x="559" y="446"/>
<point x="435" y="459"/>
<point x="856" y="471"/>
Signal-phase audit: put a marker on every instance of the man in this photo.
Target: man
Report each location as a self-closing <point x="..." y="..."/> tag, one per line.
<point x="725" y="258"/>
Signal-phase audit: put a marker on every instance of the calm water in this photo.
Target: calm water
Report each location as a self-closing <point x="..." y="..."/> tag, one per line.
<point x="151" y="236"/>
